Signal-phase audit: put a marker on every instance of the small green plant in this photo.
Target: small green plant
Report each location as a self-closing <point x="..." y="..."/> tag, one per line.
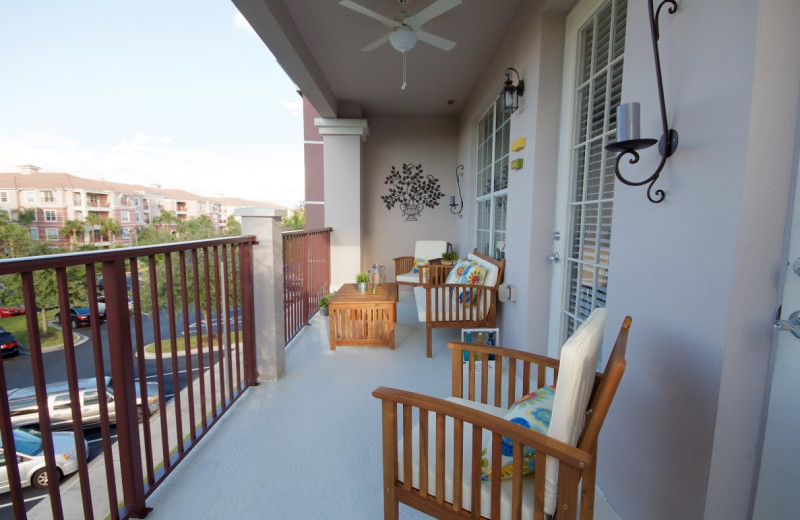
<point x="362" y="277"/>
<point x="450" y="256"/>
<point x="323" y="302"/>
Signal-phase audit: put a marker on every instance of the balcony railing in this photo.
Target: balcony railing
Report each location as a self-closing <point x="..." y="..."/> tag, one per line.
<point x="202" y="291"/>
<point x="306" y="276"/>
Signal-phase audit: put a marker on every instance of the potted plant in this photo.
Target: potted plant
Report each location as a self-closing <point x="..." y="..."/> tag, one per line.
<point x="323" y="304"/>
<point x="362" y="280"/>
<point x="449" y="257"/>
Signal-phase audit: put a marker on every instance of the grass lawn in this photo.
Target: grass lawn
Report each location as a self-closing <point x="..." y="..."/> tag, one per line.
<point x="18" y="326"/>
<point x="166" y="345"/>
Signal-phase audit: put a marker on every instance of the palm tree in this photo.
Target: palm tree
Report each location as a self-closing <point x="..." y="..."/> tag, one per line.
<point x="110" y="227"/>
<point x="167" y="219"/>
<point x="72" y="228"/>
<point x="26" y="216"/>
<point x="94" y="220"/>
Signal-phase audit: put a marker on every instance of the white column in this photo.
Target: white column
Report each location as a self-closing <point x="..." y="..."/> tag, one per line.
<point x="265" y="224"/>
<point x="342" y="141"/>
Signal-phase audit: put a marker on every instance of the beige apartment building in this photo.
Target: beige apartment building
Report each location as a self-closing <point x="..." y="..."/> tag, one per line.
<point x="58" y="197"/>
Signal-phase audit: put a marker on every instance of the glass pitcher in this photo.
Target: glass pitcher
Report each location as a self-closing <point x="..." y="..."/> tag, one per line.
<point x="377" y="275"/>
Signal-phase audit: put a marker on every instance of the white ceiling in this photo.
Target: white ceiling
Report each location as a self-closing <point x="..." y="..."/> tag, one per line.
<point x="318" y="43"/>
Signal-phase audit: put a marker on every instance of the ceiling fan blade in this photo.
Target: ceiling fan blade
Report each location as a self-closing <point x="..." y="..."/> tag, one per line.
<point x="436" y="41"/>
<point x="377" y="43"/>
<point x="431" y="12"/>
<point x="369" y="12"/>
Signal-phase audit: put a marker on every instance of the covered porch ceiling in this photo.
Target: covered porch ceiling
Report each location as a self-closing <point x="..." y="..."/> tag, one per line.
<point x="318" y="43"/>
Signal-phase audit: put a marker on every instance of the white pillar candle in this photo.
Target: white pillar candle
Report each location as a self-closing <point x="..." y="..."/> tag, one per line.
<point x="627" y="122"/>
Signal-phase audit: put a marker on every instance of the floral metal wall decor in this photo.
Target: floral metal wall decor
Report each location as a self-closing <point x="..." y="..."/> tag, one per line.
<point x="411" y="190"/>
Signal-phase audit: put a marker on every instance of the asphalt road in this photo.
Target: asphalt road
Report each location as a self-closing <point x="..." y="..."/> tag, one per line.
<point x="18" y="374"/>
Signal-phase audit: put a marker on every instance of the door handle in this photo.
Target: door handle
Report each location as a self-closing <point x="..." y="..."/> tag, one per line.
<point x="555" y="259"/>
<point x="792" y="324"/>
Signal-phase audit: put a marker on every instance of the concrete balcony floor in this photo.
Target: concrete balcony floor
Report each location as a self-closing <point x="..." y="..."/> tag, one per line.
<point x="308" y="446"/>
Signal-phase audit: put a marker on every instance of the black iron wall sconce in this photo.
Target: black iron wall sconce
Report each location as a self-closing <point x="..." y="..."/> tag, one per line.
<point x="511" y="92"/>
<point x="456" y="209"/>
<point x="628" y="140"/>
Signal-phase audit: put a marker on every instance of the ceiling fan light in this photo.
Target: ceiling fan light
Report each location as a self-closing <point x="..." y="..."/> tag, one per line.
<point x="403" y="38"/>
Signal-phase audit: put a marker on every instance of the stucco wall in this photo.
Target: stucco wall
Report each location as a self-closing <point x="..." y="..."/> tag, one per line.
<point x="429" y="141"/>
<point x="699" y="272"/>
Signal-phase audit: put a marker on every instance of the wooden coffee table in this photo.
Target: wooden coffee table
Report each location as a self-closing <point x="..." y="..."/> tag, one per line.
<point x="363" y="319"/>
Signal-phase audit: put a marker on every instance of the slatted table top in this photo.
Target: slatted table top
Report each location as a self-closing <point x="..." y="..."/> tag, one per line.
<point x="348" y="294"/>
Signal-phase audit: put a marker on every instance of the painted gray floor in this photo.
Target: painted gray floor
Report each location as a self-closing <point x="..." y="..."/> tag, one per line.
<point x="308" y="445"/>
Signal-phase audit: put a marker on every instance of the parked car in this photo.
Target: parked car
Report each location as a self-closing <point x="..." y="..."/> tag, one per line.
<point x="30" y="458"/>
<point x="9" y="346"/>
<point x="25" y="410"/>
<point x="81" y="316"/>
<point x="6" y="312"/>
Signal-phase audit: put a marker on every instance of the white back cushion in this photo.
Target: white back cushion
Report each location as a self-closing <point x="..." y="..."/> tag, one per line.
<point x="429" y="249"/>
<point x="576" y="376"/>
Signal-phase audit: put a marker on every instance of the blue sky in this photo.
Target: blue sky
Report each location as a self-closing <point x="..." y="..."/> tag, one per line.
<point x="176" y="92"/>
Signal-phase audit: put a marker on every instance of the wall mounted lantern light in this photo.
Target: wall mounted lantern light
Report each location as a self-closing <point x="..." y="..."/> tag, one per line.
<point x="628" y="139"/>
<point x="511" y="92"/>
<point x="456" y="209"/>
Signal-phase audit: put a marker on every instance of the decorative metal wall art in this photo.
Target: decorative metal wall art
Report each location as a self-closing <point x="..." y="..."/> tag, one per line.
<point x="411" y="190"/>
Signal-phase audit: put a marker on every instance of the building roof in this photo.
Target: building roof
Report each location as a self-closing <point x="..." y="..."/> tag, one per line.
<point x="54" y="181"/>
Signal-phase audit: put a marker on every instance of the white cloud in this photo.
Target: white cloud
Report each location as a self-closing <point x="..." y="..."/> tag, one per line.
<point x="240" y="22"/>
<point x="295" y="108"/>
<point x="144" y="160"/>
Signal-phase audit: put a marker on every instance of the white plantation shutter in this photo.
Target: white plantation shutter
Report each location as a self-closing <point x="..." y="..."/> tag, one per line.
<point x="494" y="134"/>
<point x="597" y="91"/>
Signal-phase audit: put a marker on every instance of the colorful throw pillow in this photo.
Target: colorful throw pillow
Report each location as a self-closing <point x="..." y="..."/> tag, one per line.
<point x="461" y="267"/>
<point x="475" y="275"/>
<point x="418" y="262"/>
<point x="531" y="411"/>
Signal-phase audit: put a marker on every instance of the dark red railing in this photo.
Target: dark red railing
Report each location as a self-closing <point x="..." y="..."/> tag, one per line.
<point x="306" y="276"/>
<point x="211" y="279"/>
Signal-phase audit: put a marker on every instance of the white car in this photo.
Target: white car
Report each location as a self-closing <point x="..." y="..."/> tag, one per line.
<point x="30" y="457"/>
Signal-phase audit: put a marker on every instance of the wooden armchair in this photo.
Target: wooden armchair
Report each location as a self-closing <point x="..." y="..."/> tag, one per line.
<point x="443" y="305"/>
<point x="435" y="466"/>
<point x="430" y="250"/>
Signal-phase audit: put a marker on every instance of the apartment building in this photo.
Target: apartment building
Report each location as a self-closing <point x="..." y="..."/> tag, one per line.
<point x="59" y="197"/>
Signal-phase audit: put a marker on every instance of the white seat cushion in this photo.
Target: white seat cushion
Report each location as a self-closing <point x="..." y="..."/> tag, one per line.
<point x="408" y="277"/>
<point x="576" y="375"/>
<point x="466" y="493"/>
<point x="448" y="301"/>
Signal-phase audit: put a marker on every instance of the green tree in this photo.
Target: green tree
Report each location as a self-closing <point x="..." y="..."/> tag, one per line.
<point x="233" y="227"/>
<point x="110" y="227"/>
<point x="197" y="229"/>
<point x="72" y="228"/>
<point x="16" y="239"/>
<point x="151" y="235"/>
<point x="25" y="217"/>
<point x="94" y="220"/>
<point x="166" y="219"/>
<point x="297" y="220"/>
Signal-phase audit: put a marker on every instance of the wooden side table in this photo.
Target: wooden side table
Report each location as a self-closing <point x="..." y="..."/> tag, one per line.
<point x="363" y="319"/>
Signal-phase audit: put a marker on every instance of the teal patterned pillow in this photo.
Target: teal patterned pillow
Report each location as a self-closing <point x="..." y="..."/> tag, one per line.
<point x="531" y="411"/>
<point x="418" y="262"/>
<point x="459" y="271"/>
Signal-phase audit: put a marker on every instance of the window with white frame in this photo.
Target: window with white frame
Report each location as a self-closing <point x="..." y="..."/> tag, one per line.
<point x="51" y="234"/>
<point x="29" y="196"/>
<point x="48" y="196"/>
<point x="138" y="217"/>
<point x="76" y="199"/>
<point x="126" y="216"/>
<point x="494" y="134"/>
<point x="3" y="196"/>
<point x="126" y="232"/>
<point x="597" y="90"/>
<point x="35" y="233"/>
<point x="50" y="215"/>
<point x="79" y="216"/>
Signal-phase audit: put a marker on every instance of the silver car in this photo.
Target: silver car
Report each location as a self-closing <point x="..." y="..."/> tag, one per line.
<point x="30" y="458"/>
<point x="25" y="410"/>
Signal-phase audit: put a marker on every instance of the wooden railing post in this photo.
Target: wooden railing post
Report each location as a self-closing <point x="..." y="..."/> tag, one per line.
<point x="122" y="375"/>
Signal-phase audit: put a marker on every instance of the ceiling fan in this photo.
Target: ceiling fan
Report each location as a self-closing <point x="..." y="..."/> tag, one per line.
<point x="406" y="30"/>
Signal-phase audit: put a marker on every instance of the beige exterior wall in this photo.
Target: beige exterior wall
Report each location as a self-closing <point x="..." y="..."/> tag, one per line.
<point x="429" y="141"/>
